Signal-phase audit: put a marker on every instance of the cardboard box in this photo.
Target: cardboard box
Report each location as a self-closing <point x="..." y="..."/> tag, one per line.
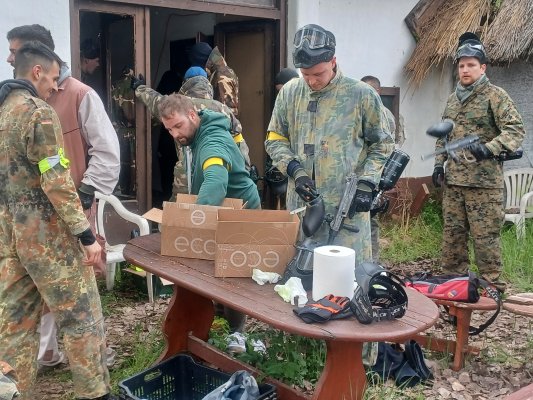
<point x="187" y="228"/>
<point x="248" y="239"/>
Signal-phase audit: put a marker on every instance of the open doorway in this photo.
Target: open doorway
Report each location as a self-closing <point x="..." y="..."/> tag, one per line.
<point x="124" y="30"/>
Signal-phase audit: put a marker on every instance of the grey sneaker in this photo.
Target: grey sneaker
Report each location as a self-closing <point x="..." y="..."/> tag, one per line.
<point x="236" y="343"/>
<point x="259" y="346"/>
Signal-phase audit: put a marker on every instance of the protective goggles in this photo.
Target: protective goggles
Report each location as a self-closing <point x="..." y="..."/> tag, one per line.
<point x="315" y="39"/>
<point x="470" y="49"/>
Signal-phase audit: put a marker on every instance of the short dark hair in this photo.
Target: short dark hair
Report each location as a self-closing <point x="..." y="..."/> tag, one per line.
<point x="89" y="49"/>
<point x="371" y="79"/>
<point x="175" y="103"/>
<point x="33" y="53"/>
<point x="35" y="32"/>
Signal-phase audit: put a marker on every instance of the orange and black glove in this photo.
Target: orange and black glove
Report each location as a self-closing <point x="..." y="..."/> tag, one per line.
<point x="327" y="308"/>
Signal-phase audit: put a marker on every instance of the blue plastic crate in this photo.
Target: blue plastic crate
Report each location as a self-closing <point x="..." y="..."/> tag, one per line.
<point x="180" y="378"/>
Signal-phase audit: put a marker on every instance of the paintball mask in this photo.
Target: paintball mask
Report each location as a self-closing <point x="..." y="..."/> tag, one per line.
<point x="379" y="295"/>
<point x="312" y="45"/>
<point x="471" y="46"/>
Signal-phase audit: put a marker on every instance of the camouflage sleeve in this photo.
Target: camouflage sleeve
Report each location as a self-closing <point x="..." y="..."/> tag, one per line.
<point x="228" y="88"/>
<point x="377" y="136"/>
<point x="277" y="143"/>
<point x="509" y="122"/>
<point x="150" y="98"/>
<point x="45" y="141"/>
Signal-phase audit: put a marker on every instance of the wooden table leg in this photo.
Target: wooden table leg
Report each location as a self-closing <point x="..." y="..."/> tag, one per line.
<point x="344" y="375"/>
<point x="187" y="312"/>
<point x="463" y="316"/>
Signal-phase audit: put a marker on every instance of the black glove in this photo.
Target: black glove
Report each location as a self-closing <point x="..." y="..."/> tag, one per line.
<point x="136" y="82"/>
<point x="327" y="308"/>
<point x="362" y="199"/>
<point x="480" y="151"/>
<point x="438" y="176"/>
<point x="86" y="194"/>
<point x="303" y="184"/>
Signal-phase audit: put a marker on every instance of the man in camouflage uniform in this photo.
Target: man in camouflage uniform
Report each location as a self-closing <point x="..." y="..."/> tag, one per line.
<point x="325" y="126"/>
<point x="473" y="194"/>
<point x="223" y="79"/>
<point x="200" y="91"/>
<point x="42" y="223"/>
<point x="123" y="111"/>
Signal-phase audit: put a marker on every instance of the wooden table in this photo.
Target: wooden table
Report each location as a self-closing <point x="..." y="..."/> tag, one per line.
<point x="190" y="315"/>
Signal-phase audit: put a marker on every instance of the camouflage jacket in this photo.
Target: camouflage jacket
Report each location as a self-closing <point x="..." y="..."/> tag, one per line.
<point x="151" y="99"/>
<point x="490" y="114"/>
<point x="347" y="133"/>
<point x="123" y="106"/>
<point x="31" y="133"/>
<point x="224" y="81"/>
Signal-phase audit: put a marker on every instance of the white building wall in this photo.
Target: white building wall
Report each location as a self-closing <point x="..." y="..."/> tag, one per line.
<point x="372" y="39"/>
<point x="52" y="14"/>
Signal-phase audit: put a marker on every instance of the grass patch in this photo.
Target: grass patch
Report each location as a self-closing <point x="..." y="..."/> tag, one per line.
<point x="517" y="257"/>
<point x="415" y="238"/>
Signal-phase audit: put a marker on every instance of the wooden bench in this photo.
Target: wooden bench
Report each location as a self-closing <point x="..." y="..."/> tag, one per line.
<point x="459" y="347"/>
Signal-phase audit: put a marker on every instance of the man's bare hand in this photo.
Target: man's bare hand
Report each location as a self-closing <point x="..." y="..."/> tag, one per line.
<point x="92" y="253"/>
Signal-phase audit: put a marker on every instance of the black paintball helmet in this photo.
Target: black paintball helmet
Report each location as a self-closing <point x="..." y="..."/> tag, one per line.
<point x="471" y="46"/>
<point x="379" y="295"/>
<point x="312" y="45"/>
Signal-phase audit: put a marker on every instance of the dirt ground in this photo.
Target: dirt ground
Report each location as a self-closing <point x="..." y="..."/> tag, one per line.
<point x="504" y="365"/>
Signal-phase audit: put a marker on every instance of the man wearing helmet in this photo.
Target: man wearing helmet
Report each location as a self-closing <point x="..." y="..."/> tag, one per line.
<point x="325" y="126"/>
<point x="473" y="191"/>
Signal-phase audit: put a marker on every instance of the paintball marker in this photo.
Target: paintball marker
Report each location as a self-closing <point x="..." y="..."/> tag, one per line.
<point x="444" y="128"/>
<point x="336" y="222"/>
<point x="301" y="266"/>
<point x="390" y="175"/>
<point x="441" y="130"/>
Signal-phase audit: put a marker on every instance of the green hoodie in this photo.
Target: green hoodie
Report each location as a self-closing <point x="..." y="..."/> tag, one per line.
<point x="213" y="140"/>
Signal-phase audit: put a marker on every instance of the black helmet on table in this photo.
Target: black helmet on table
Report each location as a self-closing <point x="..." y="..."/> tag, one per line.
<point x="312" y="45"/>
<point x="471" y="46"/>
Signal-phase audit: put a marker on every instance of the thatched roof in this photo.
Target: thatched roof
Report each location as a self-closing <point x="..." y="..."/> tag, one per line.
<point x="510" y="35"/>
<point x="505" y="27"/>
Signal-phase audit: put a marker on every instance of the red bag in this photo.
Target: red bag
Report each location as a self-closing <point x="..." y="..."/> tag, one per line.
<point x="447" y="287"/>
<point x="465" y="288"/>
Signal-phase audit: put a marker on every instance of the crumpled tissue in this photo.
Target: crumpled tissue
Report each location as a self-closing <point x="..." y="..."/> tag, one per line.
<point x="292" y="291"/>
<point x="265" y="277"/>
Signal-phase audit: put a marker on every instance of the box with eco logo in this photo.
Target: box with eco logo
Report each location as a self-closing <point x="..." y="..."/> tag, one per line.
<point x="188" y="229"/>
<point x="248" y="239"/>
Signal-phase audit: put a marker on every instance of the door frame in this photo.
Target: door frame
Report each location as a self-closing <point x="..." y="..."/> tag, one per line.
<point x="141" y="26"/>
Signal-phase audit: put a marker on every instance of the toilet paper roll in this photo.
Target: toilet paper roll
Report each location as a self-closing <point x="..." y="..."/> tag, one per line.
<point x="333" y="271"/>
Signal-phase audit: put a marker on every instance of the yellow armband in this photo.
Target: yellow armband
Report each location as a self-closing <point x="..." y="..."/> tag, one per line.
<point x="50" y="162"/>
<point x="276" y="136"/>
<point x="214" y="161"/>
<point x="238" y="138"/>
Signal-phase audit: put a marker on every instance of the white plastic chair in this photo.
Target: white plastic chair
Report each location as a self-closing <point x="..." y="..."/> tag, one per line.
<point x="114" y="252"/>
<point x="519" y="198"/>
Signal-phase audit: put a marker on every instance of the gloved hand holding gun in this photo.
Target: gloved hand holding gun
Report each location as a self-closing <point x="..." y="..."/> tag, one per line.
<point x="336" y="222"/>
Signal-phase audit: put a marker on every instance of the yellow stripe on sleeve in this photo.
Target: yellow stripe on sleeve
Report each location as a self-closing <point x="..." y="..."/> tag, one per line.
<point x="212" y="161"/>
<point x="238" y="138"/>
<point x="276" y="136"/>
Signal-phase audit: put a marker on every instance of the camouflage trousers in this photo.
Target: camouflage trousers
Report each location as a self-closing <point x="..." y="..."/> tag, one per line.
<point x="478" y="212"/>
<point x="41" y="261"/>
